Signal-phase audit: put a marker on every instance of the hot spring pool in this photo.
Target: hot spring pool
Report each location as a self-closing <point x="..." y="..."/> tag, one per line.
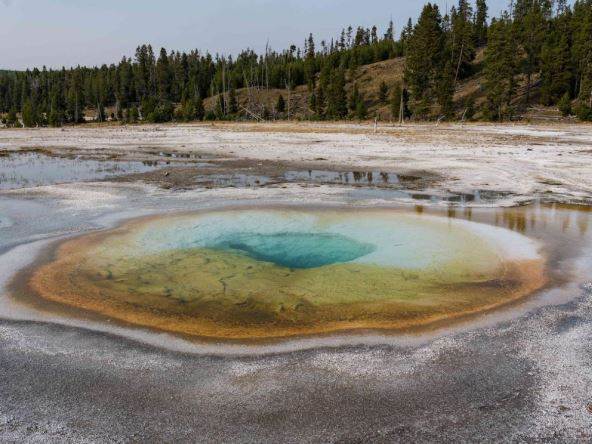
<point x="271" y="273"/>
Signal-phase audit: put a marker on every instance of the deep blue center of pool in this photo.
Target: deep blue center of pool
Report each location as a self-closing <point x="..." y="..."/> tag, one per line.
<point x="296" y="250"/>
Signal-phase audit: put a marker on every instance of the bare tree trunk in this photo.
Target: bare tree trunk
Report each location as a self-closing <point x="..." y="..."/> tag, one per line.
<point x="528" y="85"/>
<point x="256" y="116"/>
<point x="223" y="88"/>
<point x="402" y="107"/>
<point x="266" y="66"/>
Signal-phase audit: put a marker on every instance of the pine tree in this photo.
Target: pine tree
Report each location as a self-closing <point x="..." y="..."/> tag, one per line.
<point x="395" y="101"/>
<point x="310" y="61"/>
<point x="446" y="91"/>
<point x="389" y="35"/>
<point x="361" y="110"/>
<point x="406" y="34"/>
<point x="220" y="108"/>
<point x="564" y="105"/>
<point x="75" y="101"/>
<point x="461" y="42"/>
<point x="500" y="69"/>
<point x="582" y="52"/>
<point x="354" y="99"/>
<point x="480" y="26"/>
<point x="337" y="97"/>
<point x="281" y="104"/>
<point x="425" y="59"/>
<point x="163" y="76"/>
<point x="54" y="119"/>
<point x="134" y="115"/>
<point x="530" y="27"/>
<point x="320" y="101"/>
<point x="199" y="109"/>
<point x="232" y="102"/>
<point x="29" y="115"/>
<point x="556" y="66"/>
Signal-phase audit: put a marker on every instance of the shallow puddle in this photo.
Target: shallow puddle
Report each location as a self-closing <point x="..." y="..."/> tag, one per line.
<point x="32" y="169"/>
<point x="377" y="178"/>
<point x="363" y="184"/>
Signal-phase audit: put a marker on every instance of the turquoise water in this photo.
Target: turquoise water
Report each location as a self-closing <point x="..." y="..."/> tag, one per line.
<point x="309" y="239"/>
<point x="296" y="250"/>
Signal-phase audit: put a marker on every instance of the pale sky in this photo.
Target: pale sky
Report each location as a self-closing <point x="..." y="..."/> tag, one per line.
<point x="59" y="33"/>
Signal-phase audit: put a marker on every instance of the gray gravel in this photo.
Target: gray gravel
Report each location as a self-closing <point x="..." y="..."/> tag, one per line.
<point x="523" y="380"/>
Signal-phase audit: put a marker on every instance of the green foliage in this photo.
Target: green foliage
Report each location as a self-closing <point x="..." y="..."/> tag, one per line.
<point x="337" y="97"/>
<point x="190" y="110"/>
<point x="30" y="116"/>
<point x="354" y="98"/>
<point x="500" y="70"/>
<point x="357" y="105"/>
<point x="134" y="114"/>
<point x="100" y="116"/>
<point x="164" y="76"/>
<point x="395" y="101"/>
<point x="12" y="119"/>
<point x="162" y="112"/>
<point x="584" y="112"/>
<point x="361" y="110"/>
<point x="199" y="109"/>
<point x="480" y="26"/>
<point x="555" y="62"/>
<point x="232" y="102"/>
<point x="530" y="28"/>
<point x="54" y="119"/>
<point x="186" y="113"/>
<point x="281" y="104"/>
<point x="461" y="44"/>
<point x="564" y="105"/>
<point x="219" y="110"/>
<point x="149" y="105"/>
<point x="446" y="91"/>
<point x="469" y="109"/>
<point x="424" y="60"/>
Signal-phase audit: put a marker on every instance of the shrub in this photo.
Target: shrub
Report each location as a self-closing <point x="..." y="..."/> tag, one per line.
<point x="584" y="112"/>
<point x="564" y="105"/>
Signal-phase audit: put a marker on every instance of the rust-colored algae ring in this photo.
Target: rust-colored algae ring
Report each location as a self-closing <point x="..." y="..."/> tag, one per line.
<point x="261" y="274"/>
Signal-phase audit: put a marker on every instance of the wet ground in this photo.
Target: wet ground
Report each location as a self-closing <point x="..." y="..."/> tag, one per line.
<point x="523" y="373"/>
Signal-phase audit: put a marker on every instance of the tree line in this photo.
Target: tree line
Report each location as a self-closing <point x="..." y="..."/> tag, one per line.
<point x="540" y="51"/>
<point x="539" y="45"/>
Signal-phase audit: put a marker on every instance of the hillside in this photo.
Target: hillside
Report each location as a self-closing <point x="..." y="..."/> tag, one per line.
<point x="369" y="78"/>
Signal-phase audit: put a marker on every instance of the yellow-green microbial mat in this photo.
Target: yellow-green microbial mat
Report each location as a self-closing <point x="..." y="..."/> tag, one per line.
<point x="272" y="273"/>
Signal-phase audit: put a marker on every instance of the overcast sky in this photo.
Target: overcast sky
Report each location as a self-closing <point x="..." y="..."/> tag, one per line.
<point x="59" y="33"/>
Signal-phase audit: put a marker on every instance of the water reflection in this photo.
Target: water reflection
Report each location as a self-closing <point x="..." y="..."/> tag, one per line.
<point x="376" y="178"/>
<point x="536" y="218"/>
<point x="31" y="169"/>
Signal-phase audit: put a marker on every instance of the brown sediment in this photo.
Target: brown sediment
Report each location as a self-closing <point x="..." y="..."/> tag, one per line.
<point x="73" y="280"/>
